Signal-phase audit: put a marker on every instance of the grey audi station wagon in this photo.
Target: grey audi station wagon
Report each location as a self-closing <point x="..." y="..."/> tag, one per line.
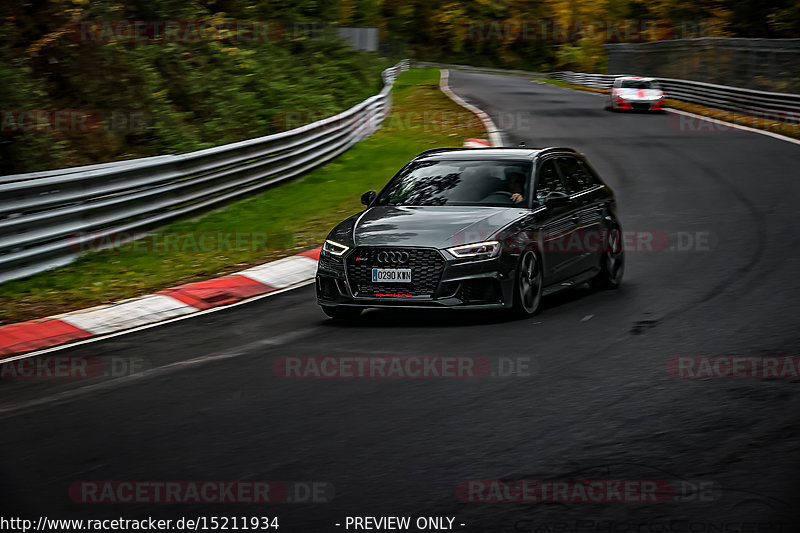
<point x="489" y="228"/>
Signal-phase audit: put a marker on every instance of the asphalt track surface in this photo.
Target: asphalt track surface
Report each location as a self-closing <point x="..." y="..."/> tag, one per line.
<point x="597" y="402"/>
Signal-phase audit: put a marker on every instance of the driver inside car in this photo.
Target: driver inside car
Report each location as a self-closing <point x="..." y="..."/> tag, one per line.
<point x="516" y="185"/>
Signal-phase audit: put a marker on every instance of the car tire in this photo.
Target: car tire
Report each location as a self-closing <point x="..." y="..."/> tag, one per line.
<point x="612" y="262"/>
<point x="528" y="285"/>
<point x="342" y="313"/>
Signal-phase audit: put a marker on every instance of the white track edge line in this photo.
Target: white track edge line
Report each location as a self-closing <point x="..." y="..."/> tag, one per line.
<point x="734" y="125"/>
<point x="154" y="324"/>
<point x="495" y="139"/>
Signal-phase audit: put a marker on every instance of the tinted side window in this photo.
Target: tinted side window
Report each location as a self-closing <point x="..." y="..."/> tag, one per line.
<point x="591" y="178"/>
<point x="578" y="176"/>
<point x="549" y="181"/>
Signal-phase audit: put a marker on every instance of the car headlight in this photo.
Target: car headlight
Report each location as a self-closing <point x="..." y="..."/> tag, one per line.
<point x="482" y="250"/>
<point x="334" y="248"/>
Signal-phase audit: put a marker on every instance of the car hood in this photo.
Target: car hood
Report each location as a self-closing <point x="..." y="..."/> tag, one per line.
<point x="429" y="226"/>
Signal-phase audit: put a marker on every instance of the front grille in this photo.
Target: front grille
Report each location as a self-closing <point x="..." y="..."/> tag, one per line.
<point x="641" y="106"/>
<point x="426" y="269"/>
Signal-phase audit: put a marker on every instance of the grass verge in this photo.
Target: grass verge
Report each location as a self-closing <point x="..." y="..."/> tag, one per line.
<point x="559" y="83"/>
<point x="278" y="222"/>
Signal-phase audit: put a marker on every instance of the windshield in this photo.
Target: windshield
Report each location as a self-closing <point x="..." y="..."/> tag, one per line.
<point x="491" y="183"/>
<point x="640" y="84"/>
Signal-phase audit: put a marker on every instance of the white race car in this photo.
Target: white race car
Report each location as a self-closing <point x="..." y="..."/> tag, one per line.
<point x="635" y="94"/>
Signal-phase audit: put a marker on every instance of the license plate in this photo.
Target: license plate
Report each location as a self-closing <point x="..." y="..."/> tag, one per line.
<point x="391" y="275"/>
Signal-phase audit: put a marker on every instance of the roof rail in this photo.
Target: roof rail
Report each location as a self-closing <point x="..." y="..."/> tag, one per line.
<point x="558" y="149"/>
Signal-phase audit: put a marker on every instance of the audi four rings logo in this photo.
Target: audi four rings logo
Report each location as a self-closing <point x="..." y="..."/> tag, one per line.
<point x="393" y="257"/>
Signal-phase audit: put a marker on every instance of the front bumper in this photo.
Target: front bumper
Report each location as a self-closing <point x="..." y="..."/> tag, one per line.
<point x="640" y="105"/>
<point x="462" y="284"/>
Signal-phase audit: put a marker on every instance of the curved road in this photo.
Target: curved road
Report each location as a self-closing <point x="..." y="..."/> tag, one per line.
<point x="597" y="402"/>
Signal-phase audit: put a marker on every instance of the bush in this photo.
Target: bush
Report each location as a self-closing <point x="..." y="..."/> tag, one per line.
<point x="185" y="96"/>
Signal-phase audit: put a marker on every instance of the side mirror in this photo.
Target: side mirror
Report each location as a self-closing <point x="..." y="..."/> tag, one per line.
<point x="368" y="197"/>
<point x="556" y="199"/>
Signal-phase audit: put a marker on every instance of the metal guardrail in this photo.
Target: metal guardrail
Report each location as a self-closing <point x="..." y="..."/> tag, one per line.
<point x="48" y="218"/>
<point x="783" y="107"/>
<point x="595" y="81"/>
